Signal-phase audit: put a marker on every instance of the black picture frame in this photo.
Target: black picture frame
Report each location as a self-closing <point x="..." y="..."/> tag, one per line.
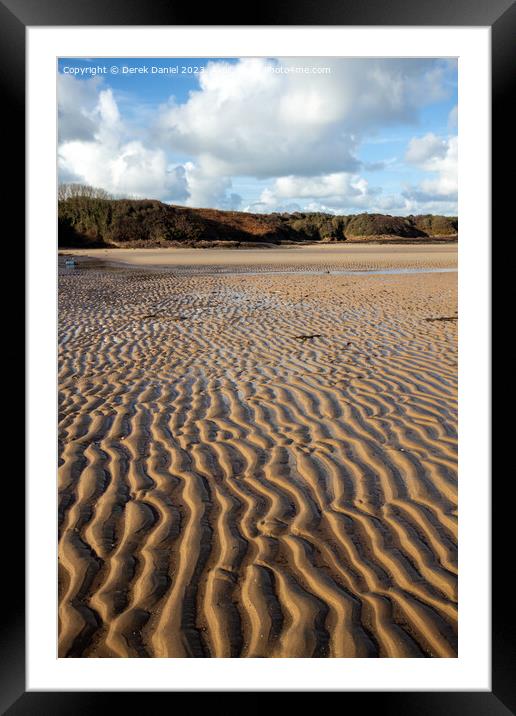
<point x="500" y="16"/>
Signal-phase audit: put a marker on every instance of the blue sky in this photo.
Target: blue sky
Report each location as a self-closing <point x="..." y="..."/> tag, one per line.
<point x="264" y="134"/>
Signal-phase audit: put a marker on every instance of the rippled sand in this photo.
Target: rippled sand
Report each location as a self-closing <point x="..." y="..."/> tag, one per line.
<point x="314" y="257"/>
<point x="257" y="465"/>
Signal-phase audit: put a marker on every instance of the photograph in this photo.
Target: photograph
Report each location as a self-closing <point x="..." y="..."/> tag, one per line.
<point x="257" y="357"/>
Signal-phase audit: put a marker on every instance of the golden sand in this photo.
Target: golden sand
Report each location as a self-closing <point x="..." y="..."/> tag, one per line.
<point x="312" y="257"/>
<point x="258" y="465"/>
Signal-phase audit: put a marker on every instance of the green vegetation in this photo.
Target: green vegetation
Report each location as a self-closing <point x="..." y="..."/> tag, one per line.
<point x="92" y="221"/>
<point x="436" y="225"/>
<point x="319" y="227"/>
<point x="90" y="217"/>
<point x="382" y="225"/>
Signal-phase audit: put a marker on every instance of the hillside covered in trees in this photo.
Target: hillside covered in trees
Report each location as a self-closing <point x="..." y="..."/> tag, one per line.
<point x="90" y="218"/>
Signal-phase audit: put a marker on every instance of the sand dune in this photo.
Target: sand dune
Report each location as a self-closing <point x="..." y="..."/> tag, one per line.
<point x="258" y="465"/>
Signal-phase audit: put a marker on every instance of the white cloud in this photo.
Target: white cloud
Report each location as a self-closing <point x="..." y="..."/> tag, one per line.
<point x="260" y="123"/>
<point x="254" y="123"/>
<point x="263" y="120"/>
<point x="326" y="186"/>
<point x="439" y="157"/>
<point x="208" y="186"/>
<point x="76" y="104"/>
<point x="109" y="159"/>
<point x="338" y="190"/>
<point x="424" y="149"/>
<point x="344" y="193"/>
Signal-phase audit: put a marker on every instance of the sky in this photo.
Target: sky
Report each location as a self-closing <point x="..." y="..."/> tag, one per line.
<point x="337" y="135"/>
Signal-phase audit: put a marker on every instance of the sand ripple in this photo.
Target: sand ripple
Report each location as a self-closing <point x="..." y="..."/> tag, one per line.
<point x="257" y="466"/>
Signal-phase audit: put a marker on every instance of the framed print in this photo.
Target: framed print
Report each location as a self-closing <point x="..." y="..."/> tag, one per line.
<point x="258" y="289"/>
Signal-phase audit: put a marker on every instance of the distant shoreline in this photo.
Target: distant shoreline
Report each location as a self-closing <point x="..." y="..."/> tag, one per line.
<point x="87" y="221"/>
<point x="263" y="246"/>
<point x="313" y="258"/>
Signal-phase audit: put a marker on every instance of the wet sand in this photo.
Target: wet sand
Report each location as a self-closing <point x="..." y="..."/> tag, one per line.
<point x="314" y="257"/>
<point x="258" y="465"/>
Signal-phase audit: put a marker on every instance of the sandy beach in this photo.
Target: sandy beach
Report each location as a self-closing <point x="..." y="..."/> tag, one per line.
<point x="316" y="258"/>
<point x="258" y="458"/>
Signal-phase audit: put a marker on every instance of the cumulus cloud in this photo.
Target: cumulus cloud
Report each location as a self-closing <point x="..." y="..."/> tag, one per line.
<point x="261" y="119"/>
<point x="76" y="106"/>
<point x="209" y="187"/>
<point x="107" y="158"/>
<point x="439" y="157"/>
<point x="339" y="190"/>
<point x="424" y="149"/>
<point x="258" y="122"/>
<point x="331" y="193"/>
<point x="254" y="123"/>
